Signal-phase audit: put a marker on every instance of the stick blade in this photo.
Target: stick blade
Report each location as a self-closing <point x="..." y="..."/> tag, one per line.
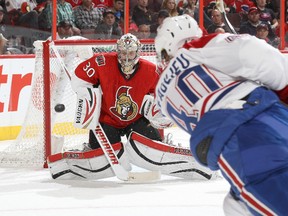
<point x="144" y="177"/>
<point x="136" y="177"/>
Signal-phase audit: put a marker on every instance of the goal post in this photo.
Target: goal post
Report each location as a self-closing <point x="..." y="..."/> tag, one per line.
<point x="46" y="130"/>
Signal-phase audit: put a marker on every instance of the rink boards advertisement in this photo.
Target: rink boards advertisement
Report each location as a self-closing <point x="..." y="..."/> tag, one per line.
<point x="15" y="89"/>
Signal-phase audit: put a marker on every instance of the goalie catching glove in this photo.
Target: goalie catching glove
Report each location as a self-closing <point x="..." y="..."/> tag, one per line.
<point x="150" y="111"/>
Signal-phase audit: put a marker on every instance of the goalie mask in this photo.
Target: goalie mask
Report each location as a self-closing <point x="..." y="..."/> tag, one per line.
<point x="128" y="49"/>
<point x="172" y="35"/>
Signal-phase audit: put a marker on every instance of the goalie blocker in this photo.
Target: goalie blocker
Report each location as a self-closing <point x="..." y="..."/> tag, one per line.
<point x="140" y="151"/>
<point x="88" y="107"/>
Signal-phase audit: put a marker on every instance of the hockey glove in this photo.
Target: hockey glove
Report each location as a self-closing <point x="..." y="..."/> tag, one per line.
<point x="150" y="111"/>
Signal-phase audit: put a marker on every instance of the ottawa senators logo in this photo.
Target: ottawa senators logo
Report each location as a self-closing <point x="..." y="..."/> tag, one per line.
<point x="125" y="108"/>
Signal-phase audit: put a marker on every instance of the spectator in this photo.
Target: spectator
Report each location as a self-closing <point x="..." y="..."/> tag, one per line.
<point x="190" y="4"/>
<point x="118" y="9"/>
<point x="262" y="31"/>
<point x="108" y="29"/>
<point x="40" y="5"/>
<point x="133" y="28"/>
<point x="277" y="32"/>
<point x="190" y="8"/>
<point x="144" y="31"/>
<point x="266" y="14"/>
<point x="209" y="7"/>
<point x="274" y="5"/>
<point x="229" y="6"/>
<point x="154" y="5"/>
<point x="171" y="7"/>
<point x="103" y="4"/>
<point x="14" y="17"/>
<point x="242" y="6"/>
<point x="249" y="27"/>
<point x="162" y="14"/>
<point x="3" y="45"/>
<point x="22" y="17"/>
<point x="141" y="14"/>
<point x="64" y="30"/>
<point x="253" y="19"/>
<point x="133" y="3"/>
<point x="64" y="12"/>
<point x="74" y="3"/>
<point x="4" y="20"/>
<point x="86" y="16"/>
<point x="217" y="22"/>
<point x="28" y="18"/>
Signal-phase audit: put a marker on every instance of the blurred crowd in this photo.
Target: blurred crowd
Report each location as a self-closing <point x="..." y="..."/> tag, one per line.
<point x="24" y="21"/>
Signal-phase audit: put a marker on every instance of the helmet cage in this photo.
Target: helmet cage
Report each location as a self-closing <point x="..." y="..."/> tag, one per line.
<point x="128" y="50"/>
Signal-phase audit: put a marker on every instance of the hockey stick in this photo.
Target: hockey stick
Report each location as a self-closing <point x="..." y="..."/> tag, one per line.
<point x="120" y="172"/>
<point x="221" y="8"/>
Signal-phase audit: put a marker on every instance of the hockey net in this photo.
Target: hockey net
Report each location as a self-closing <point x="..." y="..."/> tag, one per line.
<point x="45" y="131"/>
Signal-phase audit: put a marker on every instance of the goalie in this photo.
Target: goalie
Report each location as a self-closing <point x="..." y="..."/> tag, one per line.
<point x="116" y="91"/>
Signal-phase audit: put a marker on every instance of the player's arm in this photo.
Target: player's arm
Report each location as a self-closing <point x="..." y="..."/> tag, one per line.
<point x="266" y="65"/>
<point x="84" y="82"/>
<point x="244" y="57"/>
<point x="85" y="75"/>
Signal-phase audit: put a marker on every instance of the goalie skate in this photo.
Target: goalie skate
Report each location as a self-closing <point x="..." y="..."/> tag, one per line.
<point x="89" y="165"/>
<point x="175" y="161"/>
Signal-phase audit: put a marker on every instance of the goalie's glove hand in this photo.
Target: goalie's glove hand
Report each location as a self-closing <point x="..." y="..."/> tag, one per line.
<point x="151" y="112"/>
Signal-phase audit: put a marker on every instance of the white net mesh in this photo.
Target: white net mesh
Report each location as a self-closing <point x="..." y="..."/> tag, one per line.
<point x="29" y="149"/>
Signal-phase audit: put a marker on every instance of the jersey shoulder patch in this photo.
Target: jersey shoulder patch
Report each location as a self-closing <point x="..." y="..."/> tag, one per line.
<point x="100" y="60"/>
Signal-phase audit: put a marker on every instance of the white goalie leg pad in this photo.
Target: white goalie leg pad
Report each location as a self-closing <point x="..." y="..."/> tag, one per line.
<point x="88" y="108"/>
<point x="57" y="143"/>
<point x="89" y="165"/>
<point x="170" y="160"/>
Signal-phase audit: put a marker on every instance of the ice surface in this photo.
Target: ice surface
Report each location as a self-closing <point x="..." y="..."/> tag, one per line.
<point x="31" y="192"/>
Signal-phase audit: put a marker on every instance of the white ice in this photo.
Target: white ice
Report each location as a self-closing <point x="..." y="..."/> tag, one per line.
<point x="31" y="192"/>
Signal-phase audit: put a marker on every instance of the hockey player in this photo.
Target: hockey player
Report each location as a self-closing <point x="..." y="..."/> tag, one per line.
<point x="220" y="89"/>
<point x="122" y="85"/>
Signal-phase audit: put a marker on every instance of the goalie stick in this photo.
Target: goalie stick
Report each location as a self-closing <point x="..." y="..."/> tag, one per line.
<point x="120" y="172"/>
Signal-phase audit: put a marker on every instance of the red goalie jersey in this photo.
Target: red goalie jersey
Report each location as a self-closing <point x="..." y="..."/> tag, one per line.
<point x="122" y="94"/>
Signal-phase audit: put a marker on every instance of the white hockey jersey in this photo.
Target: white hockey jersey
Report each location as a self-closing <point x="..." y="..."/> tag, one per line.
<point x="216" y="72"/>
